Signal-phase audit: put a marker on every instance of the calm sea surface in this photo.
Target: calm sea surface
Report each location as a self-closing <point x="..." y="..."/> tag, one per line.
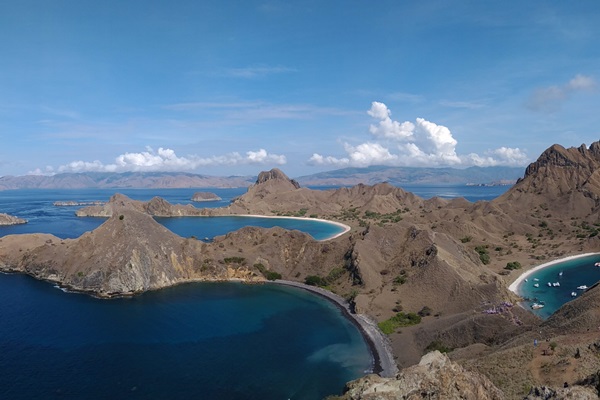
<point x="199" y="340"/>
<point x="575" y="273"/>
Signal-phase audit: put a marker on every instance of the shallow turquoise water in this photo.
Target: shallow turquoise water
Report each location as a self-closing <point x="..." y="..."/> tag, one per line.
<point x="576" y="272"/>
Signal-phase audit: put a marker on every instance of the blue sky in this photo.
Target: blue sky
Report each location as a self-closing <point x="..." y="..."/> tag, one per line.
<point x="236" y="87"/>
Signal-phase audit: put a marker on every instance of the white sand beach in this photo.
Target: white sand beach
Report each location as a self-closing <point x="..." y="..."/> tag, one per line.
<point x="515" y="285"/>
<point x="344" y="226"/>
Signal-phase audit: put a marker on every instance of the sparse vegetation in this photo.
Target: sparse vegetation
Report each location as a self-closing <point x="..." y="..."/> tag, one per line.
<point x="400" y="279"/>
<point x="439" y="346"/>
<point x="315" y="280"/>
<point x="466" y="239"/>
<point x="513" y="265"/>
<point x="399" y="320"/>
<point x="269" y="275"/>
<point x="484" y="256"/>
<point x="234" y="260"/>
<point x="425" y="311"/>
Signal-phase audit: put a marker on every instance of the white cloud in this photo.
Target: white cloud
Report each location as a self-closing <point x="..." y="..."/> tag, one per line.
<point x="422" y="143"/>
<point x="501" y="156"/>
<point x="166" y="160"/>
<point x="551" y="98"/>
<point x="362" y="155"/>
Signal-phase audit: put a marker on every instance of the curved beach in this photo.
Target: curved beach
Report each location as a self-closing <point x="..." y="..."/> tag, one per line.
<point x="383" y="359"/>
<point x="343" y="226"/>
<point x="513" y="287"/>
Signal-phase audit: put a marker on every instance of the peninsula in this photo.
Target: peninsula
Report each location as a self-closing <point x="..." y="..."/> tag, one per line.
<point x="428" y="270"/>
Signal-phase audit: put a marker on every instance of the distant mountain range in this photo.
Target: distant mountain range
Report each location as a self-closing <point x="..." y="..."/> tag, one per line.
<point x="396" y="176"/>
<point x="399" y="176"/>
<point x="141" y="180"/>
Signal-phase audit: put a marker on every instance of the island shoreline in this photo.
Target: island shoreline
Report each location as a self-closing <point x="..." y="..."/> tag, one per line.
<point x="378" y="344"/>
<point x="346" y="228"/>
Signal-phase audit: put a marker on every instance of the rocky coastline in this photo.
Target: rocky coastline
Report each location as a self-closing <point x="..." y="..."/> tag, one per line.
<point x="6" y="220"/>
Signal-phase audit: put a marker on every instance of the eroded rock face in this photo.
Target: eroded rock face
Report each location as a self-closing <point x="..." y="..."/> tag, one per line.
<point x="569" y="393"/>
<point x="276" y="175"/>
<point x="435" y="377"/>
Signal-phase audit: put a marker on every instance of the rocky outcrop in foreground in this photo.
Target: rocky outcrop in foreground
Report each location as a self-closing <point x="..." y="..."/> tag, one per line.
<point x="435" y="377"/>
<point x="6" y="219"/>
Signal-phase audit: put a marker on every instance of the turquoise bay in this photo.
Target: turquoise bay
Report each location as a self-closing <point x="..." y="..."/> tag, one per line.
<point x="570" y="274"/>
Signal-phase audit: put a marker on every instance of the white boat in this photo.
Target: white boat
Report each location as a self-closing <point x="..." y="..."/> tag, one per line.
<point x="536" y="285"/>
<point x="582" y="287"/>
<point x="555" y="284"/>
<point x="560" y="273"/>
<point x="573" y="294"/>
<point x="597" y="264"/>
<point x="537" y="306"/>
<point x="549" y="284"/>
<point x="536" y="279"/>
<point x="526" y="280"/>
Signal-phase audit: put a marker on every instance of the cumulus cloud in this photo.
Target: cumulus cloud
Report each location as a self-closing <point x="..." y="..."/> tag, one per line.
<point x="167" y="160"/>
<point x="418" y="143"/>
<point x="551" y="98"/>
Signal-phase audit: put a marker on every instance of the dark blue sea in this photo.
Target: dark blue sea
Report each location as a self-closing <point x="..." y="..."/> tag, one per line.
<point x="198" y="340"/>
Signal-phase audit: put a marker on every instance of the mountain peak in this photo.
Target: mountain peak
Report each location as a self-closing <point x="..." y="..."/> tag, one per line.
<point x="275" y="174"/>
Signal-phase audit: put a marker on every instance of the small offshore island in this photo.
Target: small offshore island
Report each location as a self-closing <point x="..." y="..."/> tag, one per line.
<point x="6" y="219"/>
<point x="200" y="197"/>
<point x="434" y="273"/>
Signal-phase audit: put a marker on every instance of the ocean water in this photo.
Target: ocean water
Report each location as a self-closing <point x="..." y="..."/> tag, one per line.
<point x="198" y="340"/>
<point x="575" y="272"/>
<point x="37" y="207"/>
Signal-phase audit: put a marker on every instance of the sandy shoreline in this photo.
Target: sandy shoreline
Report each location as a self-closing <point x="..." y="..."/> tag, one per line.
<point x="513" y="287"/>
<point x="344" y="226"/>
<point x="383" y="359"/>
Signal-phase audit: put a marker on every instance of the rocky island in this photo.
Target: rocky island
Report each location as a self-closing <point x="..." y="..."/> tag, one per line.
<point x="6" y="219"/>
<point x="432" y="267"/>
<point x="205" y="196"/>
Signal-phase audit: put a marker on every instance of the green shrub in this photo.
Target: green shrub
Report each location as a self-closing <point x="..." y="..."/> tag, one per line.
<point x="271" y="275"/>
<point x="437" y="345"/>
<point x="483" y="254"/>
<point x="513" y="265"/>
<point x="234" y="260"/>
<point x="399" y="320"/>
<point x="425" y="311"/>
<point x="466" y="239"/>
<point x="315" y="280"/>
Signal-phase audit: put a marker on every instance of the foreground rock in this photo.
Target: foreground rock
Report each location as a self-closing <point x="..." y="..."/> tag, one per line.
<point x="435" y="377"/>
<point x="6" y="219"/>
